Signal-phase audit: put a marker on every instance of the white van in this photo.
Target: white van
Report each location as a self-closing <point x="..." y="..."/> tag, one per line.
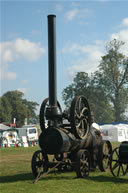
<point x="30" y="132"/>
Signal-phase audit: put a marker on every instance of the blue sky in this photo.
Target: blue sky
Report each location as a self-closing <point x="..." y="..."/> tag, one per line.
<point x="83" y="29"/>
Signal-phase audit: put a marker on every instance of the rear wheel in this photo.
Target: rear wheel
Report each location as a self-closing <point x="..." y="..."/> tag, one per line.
<point x="104" y="154"/>
<point x="116" y="166"/>
<point x="80" y="117"/>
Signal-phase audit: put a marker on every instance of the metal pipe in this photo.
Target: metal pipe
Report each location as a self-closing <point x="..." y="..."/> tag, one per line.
<point x="52" y="60"/>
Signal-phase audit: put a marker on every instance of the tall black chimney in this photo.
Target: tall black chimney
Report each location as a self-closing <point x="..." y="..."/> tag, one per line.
<point x="52" y="59"/>
<point x="52" y="112"/>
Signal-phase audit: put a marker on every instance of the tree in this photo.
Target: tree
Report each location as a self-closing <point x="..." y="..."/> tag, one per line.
<point x="78" y="87"/>
<point x="5" y="110"/>
<point x="14" y="106"/>
<point x="107" y="88"/>
<point x="113" y="71"/>
<point x="31" y="116"/>
<point x="87" y="86"/>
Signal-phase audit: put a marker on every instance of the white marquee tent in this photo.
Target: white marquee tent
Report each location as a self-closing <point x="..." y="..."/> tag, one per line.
<point x="115" y="132"/>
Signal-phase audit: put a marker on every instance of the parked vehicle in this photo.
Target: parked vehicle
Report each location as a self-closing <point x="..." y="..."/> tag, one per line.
<point x="30" y="132"/>
<point x="8" y="136"/>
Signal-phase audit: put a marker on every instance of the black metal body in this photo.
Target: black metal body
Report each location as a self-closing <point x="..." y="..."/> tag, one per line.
<point x="123" y="152"/>
<point x="58" y="140"/>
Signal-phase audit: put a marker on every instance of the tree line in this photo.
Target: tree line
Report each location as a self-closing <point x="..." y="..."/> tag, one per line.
<point x="106" y="89"/>
<point x="12" y="105"/>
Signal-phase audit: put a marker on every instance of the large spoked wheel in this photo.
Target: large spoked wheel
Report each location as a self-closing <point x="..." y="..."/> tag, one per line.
<point x="43" y="121"/>
<point x="82" y="164"/>
<point x="105" y="151"/>
<point x="116" y="166"/>
<point x="80" y="117"/>
<point x="39" y="163"/>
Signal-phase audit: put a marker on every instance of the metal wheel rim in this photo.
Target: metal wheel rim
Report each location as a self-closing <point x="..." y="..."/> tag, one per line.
<point x="80" y="117"/>
<point x="39" y="162"/>
<point x="83" y="164"/>
<point x="117" y="168"/>
<point x="104" y="156"/>
<point x="43" y="121"/>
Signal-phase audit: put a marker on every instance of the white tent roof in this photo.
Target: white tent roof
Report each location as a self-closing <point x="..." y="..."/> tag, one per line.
<point x="108" y="126"/>
<point x="2" y="126"/>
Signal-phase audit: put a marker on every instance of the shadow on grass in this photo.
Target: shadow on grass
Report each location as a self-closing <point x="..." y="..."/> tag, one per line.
<point x="16" y="177"/>
<point x="29" y="177"/>
<point x="102" y="178"/>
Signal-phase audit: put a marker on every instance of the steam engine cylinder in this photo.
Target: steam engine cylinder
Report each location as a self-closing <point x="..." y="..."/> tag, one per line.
<point x="55" y="141"/>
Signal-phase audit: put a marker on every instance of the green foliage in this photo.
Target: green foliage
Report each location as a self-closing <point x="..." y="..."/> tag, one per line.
<point x="31" y="115"/>
<point x="78" y="87"/>
<point x="114" y="75"/>
<point x="106" y="89"/>
<point x="14" y="106"/>
<point x="5" y="109"/>
<point x="87" y="86"/>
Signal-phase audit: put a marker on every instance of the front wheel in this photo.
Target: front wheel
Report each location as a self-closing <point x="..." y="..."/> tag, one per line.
<point x="39" y="163"/>
<point x="82" y="164"/>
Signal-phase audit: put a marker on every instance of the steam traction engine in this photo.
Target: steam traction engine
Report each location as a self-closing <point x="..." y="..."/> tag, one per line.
<point x="70" y="143"/>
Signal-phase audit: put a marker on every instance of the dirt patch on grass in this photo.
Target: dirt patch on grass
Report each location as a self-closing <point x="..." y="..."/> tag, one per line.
<point x="15" y="158"/>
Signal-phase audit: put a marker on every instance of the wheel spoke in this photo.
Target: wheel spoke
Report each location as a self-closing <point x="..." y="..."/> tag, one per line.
<point x="115" y="165"/>
<point x="118" y="171"/>
<point x="122" y="169"/>
<point x="117" y="153"/>
<point x="38" y="156"/>
<point x="77" y="115"/>
<point x="39" y="163"/>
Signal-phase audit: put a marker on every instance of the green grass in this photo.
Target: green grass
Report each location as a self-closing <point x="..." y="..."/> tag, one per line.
<point x="16" y="177"/>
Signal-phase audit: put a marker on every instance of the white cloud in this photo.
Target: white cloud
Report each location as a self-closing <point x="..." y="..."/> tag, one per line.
<point x="24" y="90"/>
<point x="122" y="36"/>
<point x="93" y="53"/>
<point x="71" y="14"/>
<point x="16" y="50"/>
<point x="7" y="75"/>
<point x="80" y="13"/>
<point x="27" y="49"/>
<point x="89" y="64"/>
<point x="11" y="75"/>
<point x="125" y="22"/>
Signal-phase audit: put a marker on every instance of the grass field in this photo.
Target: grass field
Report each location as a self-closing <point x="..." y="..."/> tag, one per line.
<point x="16" y="177"/>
